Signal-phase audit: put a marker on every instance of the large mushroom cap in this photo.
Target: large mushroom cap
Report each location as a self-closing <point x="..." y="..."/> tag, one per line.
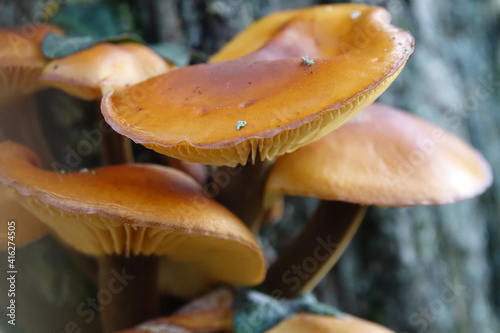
<point x="384" y="156"/>
<point x="306" y="322"/>
<point x="21" y="59"/>
<point x="267" y="99"/>
<point x="90" y="73"/>
<point x="137" y="210"/>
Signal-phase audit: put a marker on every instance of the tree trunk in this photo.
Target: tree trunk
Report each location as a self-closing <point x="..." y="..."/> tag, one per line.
<point x="411" y="269"/>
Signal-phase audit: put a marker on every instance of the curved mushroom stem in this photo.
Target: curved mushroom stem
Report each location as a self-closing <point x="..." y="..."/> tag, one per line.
<point x="19" y="122"/>
<point x="116" y="148"/>
<point x="128" y="293"/>
<point x="314" y="252"/>
<point x="241" y="190"/>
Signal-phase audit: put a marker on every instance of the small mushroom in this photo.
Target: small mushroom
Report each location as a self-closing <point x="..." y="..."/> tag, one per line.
<point x="21" y="59"/>
<point x="90" y="73"/>
<point x="129" y="216"/>
<point x="21" y="63"/>
<point x="383" y="157"/>
<point x="307" y="322"/>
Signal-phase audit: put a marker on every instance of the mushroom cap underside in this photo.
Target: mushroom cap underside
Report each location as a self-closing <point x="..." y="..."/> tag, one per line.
<point x="383" y="156"/>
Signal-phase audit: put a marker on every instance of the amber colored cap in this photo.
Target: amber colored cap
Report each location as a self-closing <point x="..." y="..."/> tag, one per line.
<point x="18" y="225"/>
<point x="137" y="209"/>
<point x="308" y="322"/>
<point x="383" y="156"/>
<point x="21" y="59"/>
<point x="210" y="313"/>
<point x="90" y="73"/>
<point x="270" y="99"/>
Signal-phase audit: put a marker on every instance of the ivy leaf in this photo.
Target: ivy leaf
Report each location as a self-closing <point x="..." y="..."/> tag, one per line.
<point x="55" y="46"/>
<point x="255" y="312"/>
<point x="174" y="53"/>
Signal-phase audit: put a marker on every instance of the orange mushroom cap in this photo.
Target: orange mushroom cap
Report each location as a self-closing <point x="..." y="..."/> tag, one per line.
<point x="211" y="313"/>
<point x="90" y="73"/>
<point x="266" y="99"/>
<point x="138" y="209"/>
<point x="22" y="60"/>
<point x="383" y="156"/>
<point x="307" y="322"/>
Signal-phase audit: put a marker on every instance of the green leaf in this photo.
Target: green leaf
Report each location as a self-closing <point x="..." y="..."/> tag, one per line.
<point x="255" y="312"/>
<point x="174" y="53"/>
<point x="55" y="46"/>
<point x="95" y="20"/>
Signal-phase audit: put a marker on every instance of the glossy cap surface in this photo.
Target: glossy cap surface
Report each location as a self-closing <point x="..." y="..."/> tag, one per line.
<point x="90" y="73"/>
<point x="259" y="96"/>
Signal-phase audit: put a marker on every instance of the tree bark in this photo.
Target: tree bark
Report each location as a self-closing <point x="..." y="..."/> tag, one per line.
<point x="426" y="269"/>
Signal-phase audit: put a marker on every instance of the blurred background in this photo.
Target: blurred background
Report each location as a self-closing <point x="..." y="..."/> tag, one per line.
<point x="419" y="269"/>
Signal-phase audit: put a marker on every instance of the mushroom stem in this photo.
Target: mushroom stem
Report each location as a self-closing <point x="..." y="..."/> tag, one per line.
<point x="116" y="148"/>
<point x="19" y="122"/>
<point x="241" y="190"/>
<point x="314" y="252"/>
<point x="128" y="292"/>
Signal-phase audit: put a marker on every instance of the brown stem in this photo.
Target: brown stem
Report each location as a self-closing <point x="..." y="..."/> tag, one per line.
<point x="19" y="122"/>
<point x="314" y="252"/>
<point x="128" y="293"/>
<point x="241" y="189"/>
<point x="116" y="148"/>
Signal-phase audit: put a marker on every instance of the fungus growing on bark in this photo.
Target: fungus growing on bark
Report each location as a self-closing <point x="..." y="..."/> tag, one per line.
<point x="383" y="157"/>
<point x="129" y="216"/>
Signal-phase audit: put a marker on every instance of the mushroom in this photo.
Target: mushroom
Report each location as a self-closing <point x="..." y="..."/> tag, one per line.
<point x="129" y="216"/>
<point x="90" y="73"/>
<point x="307" y="322"/>
<point x="211" y="313"/>
<point x="21" y="63"/>
<point x="383" y="157"/>
<point x="260" y="98"/>
<point x="265" y="100"/>
<point x="214" y="313"/>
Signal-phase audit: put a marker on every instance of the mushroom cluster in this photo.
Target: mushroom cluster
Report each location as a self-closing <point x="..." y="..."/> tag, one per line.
<point x="285" y="108"/>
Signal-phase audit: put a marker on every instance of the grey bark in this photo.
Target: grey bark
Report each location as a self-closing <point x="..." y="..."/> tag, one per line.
<point x="426" y="269"/>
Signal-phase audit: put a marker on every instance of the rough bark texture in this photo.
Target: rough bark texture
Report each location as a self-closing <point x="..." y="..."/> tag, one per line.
<point x="412" y="269"/>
